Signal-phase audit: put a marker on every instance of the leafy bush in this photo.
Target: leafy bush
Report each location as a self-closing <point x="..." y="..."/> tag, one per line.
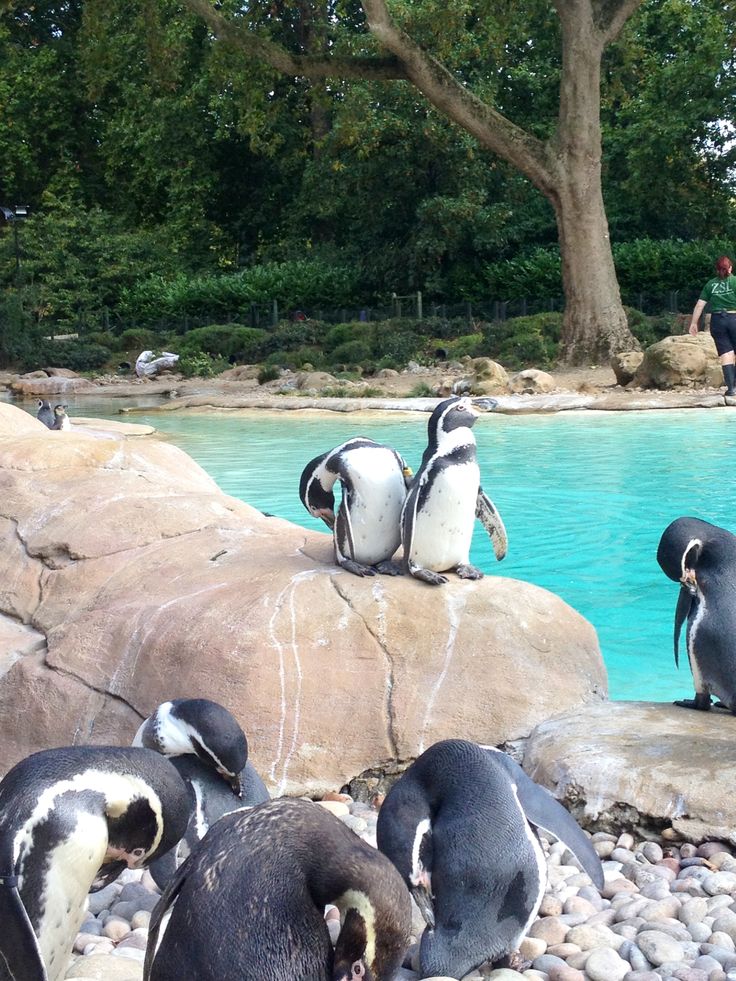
<point x="138" y="339"/>
<point x="471" y="346"/>
<point x="524" y="341"/>
<point x="230" y="341"/>
<point x="351" y="352"/>
<point x="198" y="365"/>
<point x="268" y="373"/>
<point x="75" y="355"/>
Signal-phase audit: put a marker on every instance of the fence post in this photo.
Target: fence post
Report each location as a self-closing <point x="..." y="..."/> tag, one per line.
<point x="419" y="304"/>
<point x="275" y="313"/>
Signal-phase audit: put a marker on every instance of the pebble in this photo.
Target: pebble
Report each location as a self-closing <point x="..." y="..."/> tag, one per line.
<point x="667" y="911"/>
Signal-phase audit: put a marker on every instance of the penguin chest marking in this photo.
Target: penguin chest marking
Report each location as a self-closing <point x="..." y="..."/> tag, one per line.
<point x="541" y="867"/>
<point x="699" y="683"/>
<point x="373" y="502"/>
<point x="71" y="867"/>
<point x="445" y="516"/>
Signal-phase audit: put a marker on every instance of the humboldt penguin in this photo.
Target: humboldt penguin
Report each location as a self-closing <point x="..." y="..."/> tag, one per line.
<point x="209" y="749"/>
<point x="44" y="414"/>
<point x="701" y="557"/>
<point x="460" y="826"/>
<point x="61" y="419"/>
<point x="445" y="498"/>
<point x="263" y="877"/>
<point x="373" y="477"/>
<point x="65" y="816"/>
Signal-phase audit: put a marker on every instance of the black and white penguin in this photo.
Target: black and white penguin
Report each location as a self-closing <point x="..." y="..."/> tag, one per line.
<point x="445" y="498"/>
<point x="210" y="751"/>
<point x="61" y="419"/>
<point x="264" y="877"/>
<point x="701" y="557"/>
<point x="44" y="414"/>
<point x="460" y="826"/>
<point x="65" y="816"/>
<point x="373" y="477"/>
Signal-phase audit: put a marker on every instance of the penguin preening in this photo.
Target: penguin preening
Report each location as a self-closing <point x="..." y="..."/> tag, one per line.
<point x="210" y="751"/>
<point x="460" y="826"/>
<point x="61" y="419"/>
<point x="65" y="815"/>
<point x="366" y="531"/>
<point x="701" y="557"/>
<point x="264" y="877"/>
<point x="44" y="414"/>
<point x="446" y="497"/>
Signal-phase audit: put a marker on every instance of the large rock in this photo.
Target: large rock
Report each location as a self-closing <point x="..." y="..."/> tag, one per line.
<point x="641" y="764"/>
<point x="625" y="365"/>
<point x="680" y="360"/>
<point x="45" y="386"/>
<point x="531" y="381"/>
<point x="148" y="583"/>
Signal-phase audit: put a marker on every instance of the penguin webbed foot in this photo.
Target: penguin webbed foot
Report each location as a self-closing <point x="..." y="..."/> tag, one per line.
<point x="389" y="568"/>
<point x="357" y="568"/>
<point x="701" y="702"/>
<point x="426" y="575"/>
<point x="468" y="571"/>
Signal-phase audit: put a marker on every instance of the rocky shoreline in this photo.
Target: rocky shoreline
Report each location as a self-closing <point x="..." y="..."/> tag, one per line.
<point x="667" y="911"/>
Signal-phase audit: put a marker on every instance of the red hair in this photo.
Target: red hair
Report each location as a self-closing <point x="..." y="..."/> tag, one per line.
<point x="723" y="266"/>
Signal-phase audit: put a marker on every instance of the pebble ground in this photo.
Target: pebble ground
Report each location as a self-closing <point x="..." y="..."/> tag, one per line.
<point x="667" y="910"/>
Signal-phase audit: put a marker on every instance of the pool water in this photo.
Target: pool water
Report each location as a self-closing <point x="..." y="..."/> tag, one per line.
<point x="585" y="498"/>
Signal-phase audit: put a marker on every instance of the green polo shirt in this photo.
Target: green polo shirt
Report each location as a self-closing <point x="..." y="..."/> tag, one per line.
<point x="720" y="293"/>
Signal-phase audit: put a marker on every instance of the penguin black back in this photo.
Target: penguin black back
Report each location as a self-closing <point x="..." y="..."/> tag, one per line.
<point x="265" y="876"/>
<point x="66" y="814"/>
<point x="458" y="826"/>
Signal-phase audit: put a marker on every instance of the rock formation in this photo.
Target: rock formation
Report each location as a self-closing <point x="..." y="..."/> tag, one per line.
<point x="127" y="577"/>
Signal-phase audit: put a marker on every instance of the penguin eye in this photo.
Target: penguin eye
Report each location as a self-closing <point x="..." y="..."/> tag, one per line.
<point x="358" y="969"/>
<point x="138" y="853"/>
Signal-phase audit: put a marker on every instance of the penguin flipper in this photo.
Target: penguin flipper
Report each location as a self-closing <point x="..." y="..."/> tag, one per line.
<point x="160" y="910"/>
<point x="682" y="611"/>
<point x="545" y="811"/>
<point x="19" y="948"/>
<point x="486" y="513"/>
<point x="343" y="540"/>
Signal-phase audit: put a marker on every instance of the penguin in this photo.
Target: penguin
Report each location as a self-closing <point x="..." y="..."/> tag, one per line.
<point x="460" y="826"/>
<point x="61" y="419"/>
<point x="65" y="815"/>
<point x="210" y="752"/>
<point x="701" y="557"/>
<point x="445" y="498"/>
<point x="44" y="414"/>
<point x="264" y="877"/>
<point x="373" y="477"/>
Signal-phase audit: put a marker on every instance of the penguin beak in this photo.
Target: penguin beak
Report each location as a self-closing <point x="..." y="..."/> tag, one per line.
<point x="107" y="873"/>
<point x="326" y="515"/>
<point x="234" y="781"/>
<point x="423" y="899"/>
<point x="485" y="403"/>
<point x="689" y="582"/>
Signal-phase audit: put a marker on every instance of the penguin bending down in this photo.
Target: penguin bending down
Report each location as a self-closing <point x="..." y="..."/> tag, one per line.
<point x="445" y="498"/>
<point x="65" y="815"/>
<point x="373" y="477"/>
<point x="701" y="557"/>
<point x="44" y="414"/>
<point x="61" y="419"/>
<point x="460" y="826"/>
<point x="264" y="877"/>
<point x="209" y="750"/>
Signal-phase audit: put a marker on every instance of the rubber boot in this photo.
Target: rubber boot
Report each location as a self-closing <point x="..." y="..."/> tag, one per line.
<point x="729" y="376"/>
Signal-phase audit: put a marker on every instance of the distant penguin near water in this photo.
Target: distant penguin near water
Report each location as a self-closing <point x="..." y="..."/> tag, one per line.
<point x="460" y="826"/>
<point x="446" y="497"/>
<point x="61" y="419"/>
<point x="44" y="414"/>
<point x="262" y="878"/>
<point x="210" y="752"/>
<point x="701" y="557"/>
<point x="366" y="530"/>
<point x="68" y="816"/>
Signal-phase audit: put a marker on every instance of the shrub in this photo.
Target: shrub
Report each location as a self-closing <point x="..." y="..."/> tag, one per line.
<point x="138" y="339"/>
<point x="74" y="355"/>
<point x="524" y="341"/>
<point x="471" y="346"/>
<point x="230" y="341"/>
<point x="351" y="352"/>
<point x="269" y="372"/>
<point x="199" y="365"/>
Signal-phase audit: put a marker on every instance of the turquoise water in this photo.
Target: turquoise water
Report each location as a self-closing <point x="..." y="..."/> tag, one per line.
<point x="585" y="498"/>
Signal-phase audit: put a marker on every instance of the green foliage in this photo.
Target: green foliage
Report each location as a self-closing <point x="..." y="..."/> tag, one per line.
<point x="195" y="364"/>
<point x="470" y="345"/>
<point x="244" y="345"/>
<point x="75" y="355"/>
<point x="351" y="352"/>
<point x="524" y="342"/>
<point x="268" y="373"/>
<point x="138" y="339"/>
<point x="422" y="391"/>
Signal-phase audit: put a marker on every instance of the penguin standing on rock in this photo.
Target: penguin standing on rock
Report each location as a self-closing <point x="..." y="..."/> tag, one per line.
<point x="66" y="815"/>
<point x="263" y="878"/>
<point x="460" y="826"/>
<point x="445" y="498"/>
<point x="44" y="414"/>
<point x="701" y="557"/>
<point x="210" y="752"/>
<point x="366" y="531"/>
<point x="61" y="419"/>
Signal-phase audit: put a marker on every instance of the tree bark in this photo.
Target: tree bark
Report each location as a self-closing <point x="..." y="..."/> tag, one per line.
<point x="566" y="168"/>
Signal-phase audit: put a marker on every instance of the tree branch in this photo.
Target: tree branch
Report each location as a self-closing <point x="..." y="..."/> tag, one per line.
<point x="611" y="15"/>
<point x="446" y="93"/>
<point x="308" y="66"/>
